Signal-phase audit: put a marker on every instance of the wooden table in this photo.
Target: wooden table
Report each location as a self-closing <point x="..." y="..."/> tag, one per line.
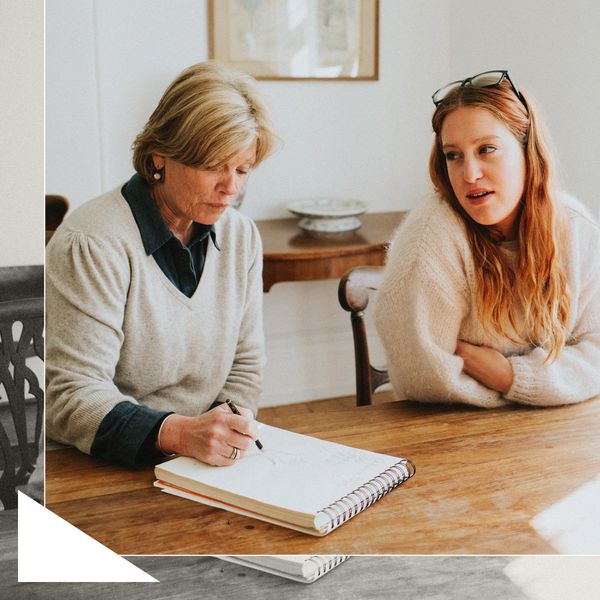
<point x="291" y="254"/>
<point x="481" y="477"/>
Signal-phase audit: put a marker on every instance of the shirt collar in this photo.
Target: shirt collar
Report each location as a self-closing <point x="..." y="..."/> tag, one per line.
<point x="153" y="229"/>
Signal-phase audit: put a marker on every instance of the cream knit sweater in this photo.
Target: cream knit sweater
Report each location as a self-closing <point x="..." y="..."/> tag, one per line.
<point x="118" y="329"/>
<point x="427" y="303"/>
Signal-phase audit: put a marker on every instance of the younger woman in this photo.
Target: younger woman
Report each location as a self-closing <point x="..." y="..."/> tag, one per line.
<point x="492" y="290"/>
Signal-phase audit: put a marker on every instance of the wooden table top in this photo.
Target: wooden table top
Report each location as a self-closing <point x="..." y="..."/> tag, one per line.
<point x="291" y="254"/>
<point x="283" y="239"/>
<point x="481" y="478"/>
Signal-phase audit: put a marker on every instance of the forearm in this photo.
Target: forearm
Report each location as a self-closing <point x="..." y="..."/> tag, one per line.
<point x="573" y="377"/>
<point x="80" y="391"/>
<point x="528" y="379"/>
<point x="74" y="410"/>
<point x="486" y="365"/>
<point x="128" y="435"/>
<point x="420" y="349"/>
<point x="84" y="313"/>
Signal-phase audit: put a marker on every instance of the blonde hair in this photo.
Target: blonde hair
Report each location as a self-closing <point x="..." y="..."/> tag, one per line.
<point x="537" y="286"/>
<point x="207" y="115"/>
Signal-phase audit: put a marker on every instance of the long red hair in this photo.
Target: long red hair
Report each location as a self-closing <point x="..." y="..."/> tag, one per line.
<point x="532" y="297"/>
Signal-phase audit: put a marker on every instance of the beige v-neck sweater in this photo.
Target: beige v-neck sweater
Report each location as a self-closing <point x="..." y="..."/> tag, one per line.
<point x="427" y="302"/>
<point x="117" y="329"/>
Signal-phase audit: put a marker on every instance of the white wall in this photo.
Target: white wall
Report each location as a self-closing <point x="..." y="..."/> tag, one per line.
<point x="367" y="140"/>
<point x="108" y="62"/>
<point x="22" y="132"/>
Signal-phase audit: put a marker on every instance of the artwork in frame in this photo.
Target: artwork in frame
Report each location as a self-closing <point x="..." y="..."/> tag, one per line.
<point x="297" y="39"/>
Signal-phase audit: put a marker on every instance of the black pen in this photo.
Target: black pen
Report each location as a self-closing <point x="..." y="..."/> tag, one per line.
<point x="235" y="411"/>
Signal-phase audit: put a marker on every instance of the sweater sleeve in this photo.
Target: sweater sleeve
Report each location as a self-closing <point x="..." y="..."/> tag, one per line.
<point x="86" y="290"/>
<point x="244" y="381"/>
<point x="420" y="307"/>
<point x="575" y="375"/>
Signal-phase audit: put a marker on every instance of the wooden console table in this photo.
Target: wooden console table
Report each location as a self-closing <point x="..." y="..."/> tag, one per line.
<point x="291" y="254"/>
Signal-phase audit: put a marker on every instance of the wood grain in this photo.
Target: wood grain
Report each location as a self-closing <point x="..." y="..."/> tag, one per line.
<point x="481" y="477"/>
<point x="291" y="254"/>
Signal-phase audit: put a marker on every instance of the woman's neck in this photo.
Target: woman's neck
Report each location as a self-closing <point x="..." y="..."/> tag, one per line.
<point x="181" y="227"/>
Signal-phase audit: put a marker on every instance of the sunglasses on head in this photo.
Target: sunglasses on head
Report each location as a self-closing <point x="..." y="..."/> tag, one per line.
<point x="487" y="79"/>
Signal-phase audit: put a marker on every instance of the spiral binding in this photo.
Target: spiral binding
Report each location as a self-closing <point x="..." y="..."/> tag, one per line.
<point x="348" y="506"/>
<point x="324" y="564"/>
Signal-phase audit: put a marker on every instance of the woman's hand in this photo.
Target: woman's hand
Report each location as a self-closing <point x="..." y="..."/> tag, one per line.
<point x="210" y="437"/>
<point x="486" y="365"/>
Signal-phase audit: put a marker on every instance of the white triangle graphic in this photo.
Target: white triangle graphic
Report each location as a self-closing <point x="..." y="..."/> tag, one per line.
<point x="50" y="549"/>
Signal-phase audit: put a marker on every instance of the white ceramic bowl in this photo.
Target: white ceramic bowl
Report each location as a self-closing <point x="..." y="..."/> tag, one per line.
<point x="328" y="215"/>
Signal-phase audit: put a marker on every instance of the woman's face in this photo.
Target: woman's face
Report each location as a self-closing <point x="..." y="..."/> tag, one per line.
<point x="486" y="166"/>
<point x="202" y="195"/>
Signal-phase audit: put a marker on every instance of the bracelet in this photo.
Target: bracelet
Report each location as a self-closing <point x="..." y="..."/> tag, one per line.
<point x="158" y="438"/>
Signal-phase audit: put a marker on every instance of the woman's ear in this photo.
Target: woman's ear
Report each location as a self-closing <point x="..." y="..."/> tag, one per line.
<point x="158" y="171"/>
<point x="158" y="160"/>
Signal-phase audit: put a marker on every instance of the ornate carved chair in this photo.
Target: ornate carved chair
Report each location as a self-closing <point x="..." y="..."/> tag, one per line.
<point x="353" y="294"/>
<point x="21" y="397"/>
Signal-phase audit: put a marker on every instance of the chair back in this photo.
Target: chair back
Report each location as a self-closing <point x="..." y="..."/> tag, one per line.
<point x="56" y="209"/>
<point x="21" y="396"/>
<point x="353" y="295"/>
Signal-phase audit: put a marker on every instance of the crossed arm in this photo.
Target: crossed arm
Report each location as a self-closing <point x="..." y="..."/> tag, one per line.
<point x="422" y="306"/>
<point x="486" y="365"/>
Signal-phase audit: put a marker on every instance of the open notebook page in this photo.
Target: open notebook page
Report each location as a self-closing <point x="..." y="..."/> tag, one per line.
<point x="296" y="472"/>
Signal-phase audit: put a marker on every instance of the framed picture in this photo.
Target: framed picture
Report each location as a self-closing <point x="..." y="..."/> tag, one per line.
<point x="297" y="39"/>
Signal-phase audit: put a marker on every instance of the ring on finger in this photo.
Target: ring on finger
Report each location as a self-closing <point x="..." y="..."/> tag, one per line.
<point x="235" y="453"/>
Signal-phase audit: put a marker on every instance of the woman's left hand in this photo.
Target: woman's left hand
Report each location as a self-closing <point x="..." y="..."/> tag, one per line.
<point x="486" y="365"/>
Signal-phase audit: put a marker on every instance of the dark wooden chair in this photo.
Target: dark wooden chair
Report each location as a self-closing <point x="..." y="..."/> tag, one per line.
<point x="21" y="337"/>
<point x="353" y="294"/>
<point x="56" y="209"/>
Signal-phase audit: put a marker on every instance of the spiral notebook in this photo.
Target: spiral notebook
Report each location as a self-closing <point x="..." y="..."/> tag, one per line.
<point x="297" y="481"/>
<point x="299" y="567"/>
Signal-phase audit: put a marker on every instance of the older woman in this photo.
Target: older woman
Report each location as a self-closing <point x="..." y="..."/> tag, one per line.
<point x="492" y="289"/>
<point x="154" y="290"/>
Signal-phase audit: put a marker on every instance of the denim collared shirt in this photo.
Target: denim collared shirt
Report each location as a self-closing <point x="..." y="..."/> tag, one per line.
<point x="127" y="434"/>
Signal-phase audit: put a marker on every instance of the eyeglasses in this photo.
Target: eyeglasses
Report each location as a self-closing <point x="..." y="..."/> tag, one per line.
<point x="487" y="79"/>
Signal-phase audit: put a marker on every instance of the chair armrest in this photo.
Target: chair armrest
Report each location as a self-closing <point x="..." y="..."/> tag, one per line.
<point x="354" y="286"/>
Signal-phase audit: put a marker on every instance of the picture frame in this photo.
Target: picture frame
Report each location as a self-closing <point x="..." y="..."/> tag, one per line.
<point x="301" y="40"/>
